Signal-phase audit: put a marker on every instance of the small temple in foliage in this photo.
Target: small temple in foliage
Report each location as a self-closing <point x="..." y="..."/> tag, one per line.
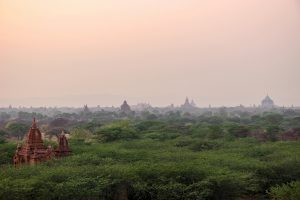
<point x="34" y="151"/>
<point x="63" y="146"/>
<point x="125" y="108"/>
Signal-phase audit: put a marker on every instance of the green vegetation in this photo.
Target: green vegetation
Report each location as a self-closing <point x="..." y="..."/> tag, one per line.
<point x="165" y="158"/>
<point x="289" y="191"/>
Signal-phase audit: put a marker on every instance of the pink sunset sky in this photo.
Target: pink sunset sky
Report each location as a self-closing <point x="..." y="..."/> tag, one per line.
<point x="218" y="52"/>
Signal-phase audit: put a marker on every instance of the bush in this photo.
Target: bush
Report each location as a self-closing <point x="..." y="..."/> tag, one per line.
<point x="278" y="172"/>
<point x="238" y="131"/>
<point x="17" y="129"/>
<point x="215" y="132"/>
<point x="7" y="151"/>
<point x="289" y="191"/>
<point x="162" y="136"/>
<point x="116" y="131"/>
<point x="81" y="134"/>
<point x="204" y="145"/>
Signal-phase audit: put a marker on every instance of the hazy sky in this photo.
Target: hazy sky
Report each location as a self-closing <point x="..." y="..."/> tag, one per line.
<point x="219" y="52"/>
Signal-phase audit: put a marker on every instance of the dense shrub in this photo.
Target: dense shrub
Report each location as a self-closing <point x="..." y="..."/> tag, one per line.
<point x="7" y="151"/>
<point x="238" y="131"/>
<point x="203" y="145"/>
<point x="16" y="129"/>
<point x="123" y="130"/>
<point x="290" y="191"/>
<point x="162" y="136"/>
<point x="167" y="158"/>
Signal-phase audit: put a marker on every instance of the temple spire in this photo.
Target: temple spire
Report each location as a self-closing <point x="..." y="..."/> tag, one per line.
<point x="187" y="101"/>
<point x="34" y="150"/>
<point x="34" y="124"/>
<point x="125" y="108"/>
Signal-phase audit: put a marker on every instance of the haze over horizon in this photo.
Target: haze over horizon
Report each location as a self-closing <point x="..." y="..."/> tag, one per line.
<point x="218" y="52"/>
<point x="94" y="100"/>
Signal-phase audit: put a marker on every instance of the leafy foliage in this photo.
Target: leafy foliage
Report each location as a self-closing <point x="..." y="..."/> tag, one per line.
<point x="123" y="130"/>
<point x="17" y="129"/>
<point x="289" y="191"/>
<point x="162" y="157"/>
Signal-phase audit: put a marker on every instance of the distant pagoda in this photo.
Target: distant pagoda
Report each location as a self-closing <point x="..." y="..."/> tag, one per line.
<point x="125" y="108"/>
<point x="187" y="105"/>
<point x="267" y="102"/>
<point x="86" y="109"/>
<point x="34" y="151"/>
<point x="193" y="103"/>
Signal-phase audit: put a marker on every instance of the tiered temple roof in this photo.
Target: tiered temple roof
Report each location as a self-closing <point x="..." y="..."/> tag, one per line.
<point x="34" y="150"/>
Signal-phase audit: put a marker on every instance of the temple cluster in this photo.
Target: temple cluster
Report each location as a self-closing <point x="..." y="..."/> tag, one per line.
<point x="34" y="151"/>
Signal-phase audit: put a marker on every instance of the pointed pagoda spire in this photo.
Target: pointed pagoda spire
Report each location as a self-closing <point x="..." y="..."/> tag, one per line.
<point x="193" y="103"/>
<point x="34" y="126"/>
<point x="187" y="101"/>
<point x="125" y="108"/>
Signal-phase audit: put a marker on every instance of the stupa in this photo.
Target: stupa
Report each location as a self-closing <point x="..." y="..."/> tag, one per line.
<point x="267" y="102"/>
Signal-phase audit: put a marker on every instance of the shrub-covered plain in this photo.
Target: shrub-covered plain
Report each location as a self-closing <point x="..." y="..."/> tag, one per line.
<point x="163" y="159"/>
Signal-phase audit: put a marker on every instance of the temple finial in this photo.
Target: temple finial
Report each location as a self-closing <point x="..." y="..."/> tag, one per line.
<point x="34" y="123"/>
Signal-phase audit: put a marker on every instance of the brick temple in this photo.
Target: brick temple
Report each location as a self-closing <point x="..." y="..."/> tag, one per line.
<point x="34" y="151"/>
<point x="63" y="146"/>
